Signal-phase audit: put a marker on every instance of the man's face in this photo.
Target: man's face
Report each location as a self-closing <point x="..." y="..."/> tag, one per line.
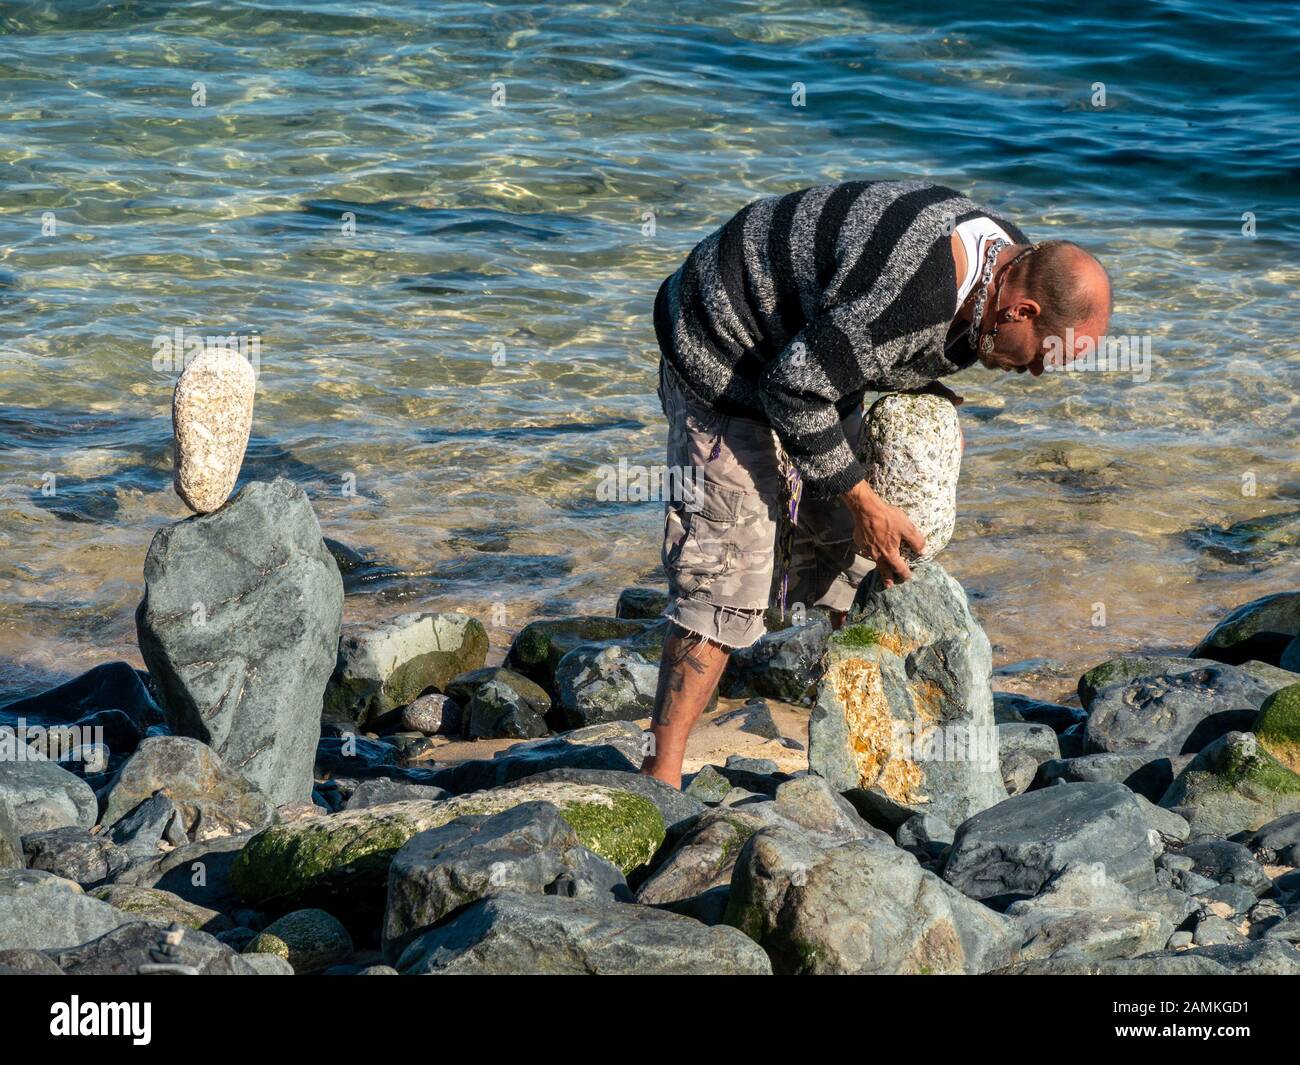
<point x="1019" y="345"/>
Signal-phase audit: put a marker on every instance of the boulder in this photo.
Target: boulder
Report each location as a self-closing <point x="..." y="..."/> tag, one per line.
<point x="386" y="666"/>
<point x="212" y="799"/>
<point x="151" y="947"/>
<point x="1225" y="862"/>
<point x="1260" y="629"/>
<point x="1277" y="728"/>
<point x="537" y="650"/>
<point x="156" y="825"/>
<point x="25" y="962"/>
<point x="111" y="686"/>
<point x="617" y="746"/>
<point x="1009" y="707"/>
<point x="163" y="907"/>
<point x="1265" y="957"/>
<point x="597" y="683"/>
<point x="41" y="911"/>
<point x="198" y="873"/>
<point x="550" y="935"/>
<point x="1022" y="747"/>
<point x="341" y="862"/>
<point x="708" y="785"/>
<point x="40" y="795"/>
<point x="911" y="447"/>
<point x="904" y="714"/>
<point x="1117" y="672"/>
<point x="1278" y="842"/>
<point x="783" y="664"/>
<point x="380" y="791"/>
<point x="1013" y="850"/>
<point x="499" y="702"/>
<point x="309" y="940"/>
<point x="212" y="414"/>
<point x="1084" y="912"/>
<point x="529" y="850"/>
<point x="1139" y="771"/>
<point x="239" y="626"/>
<point x="74" y="854"/>
<point x="11" y="844"/>
<point x="1233" y="786"/>
<point x="677" y="809"/>
<point x="433" y="715"/>
<point x="1174" y="713"/>
<point x="862" y="907"/>
<point x="642" y="603"/>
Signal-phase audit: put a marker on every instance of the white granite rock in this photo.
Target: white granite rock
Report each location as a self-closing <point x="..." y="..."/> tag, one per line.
<point x="212" y="413"/>
<point x="911" y="447"/>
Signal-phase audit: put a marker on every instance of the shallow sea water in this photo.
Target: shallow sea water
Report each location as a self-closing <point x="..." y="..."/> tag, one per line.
<point x="447" y="379"/>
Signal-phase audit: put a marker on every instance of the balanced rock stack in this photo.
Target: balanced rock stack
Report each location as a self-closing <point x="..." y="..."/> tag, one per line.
<point x="212" y="415"/>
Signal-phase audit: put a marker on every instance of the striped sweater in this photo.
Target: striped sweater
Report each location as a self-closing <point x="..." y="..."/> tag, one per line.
<point x="800" y="304"/>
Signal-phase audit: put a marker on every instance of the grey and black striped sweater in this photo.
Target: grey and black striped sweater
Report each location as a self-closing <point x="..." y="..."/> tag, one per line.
<point x="801" y="303"/>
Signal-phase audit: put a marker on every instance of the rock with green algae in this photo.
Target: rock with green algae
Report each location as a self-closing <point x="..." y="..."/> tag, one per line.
<point x="155" y="904"/>
<point x="309" y="940"/>
<point x="1278" y="726"/>
<point x="383" y="667"/>
<point x="340" y="862"/>
<point x="1233" y="786"/>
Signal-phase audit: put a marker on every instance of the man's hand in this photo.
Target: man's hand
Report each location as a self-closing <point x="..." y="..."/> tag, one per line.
<point x="879" y="530"/>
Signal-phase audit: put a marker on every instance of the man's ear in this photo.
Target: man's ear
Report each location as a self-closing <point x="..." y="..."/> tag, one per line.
<point x="1024" y="310"/>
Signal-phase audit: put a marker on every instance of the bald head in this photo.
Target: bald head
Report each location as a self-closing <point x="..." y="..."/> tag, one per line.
<point x="1071" y="288"/>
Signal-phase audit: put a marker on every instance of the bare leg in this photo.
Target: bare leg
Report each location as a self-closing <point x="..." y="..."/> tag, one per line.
<point x="688" y="673"/>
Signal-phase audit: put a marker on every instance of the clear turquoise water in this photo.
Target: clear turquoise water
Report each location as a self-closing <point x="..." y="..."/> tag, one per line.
<point x="519" y="230"/>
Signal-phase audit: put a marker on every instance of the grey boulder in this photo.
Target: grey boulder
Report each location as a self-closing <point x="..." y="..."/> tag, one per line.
<point x="212" y="799"/>
<point x="239" y="626"/>
<point x="151" y="947"/>
<point x="75" y="854"/>
<point x="596" y="683"/>
<point x="42" y="911"/>
<point x="783" y="664"/>
<point x="1013" y="850"/>
<point x="1022" y="747"/>
<point x="529" y="850"/>
<point x="552" y="936"/>
<point x="862" y="907"/>
<point x="40" y="795"/>
<point x="1174" y="714"/>
<point x="1260" y="629"/>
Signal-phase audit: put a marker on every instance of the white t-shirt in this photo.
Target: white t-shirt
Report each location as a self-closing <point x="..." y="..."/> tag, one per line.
<point x="976" y="235"/>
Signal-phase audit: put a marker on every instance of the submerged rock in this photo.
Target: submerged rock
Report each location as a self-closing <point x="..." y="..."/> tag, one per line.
<point x="212" y="413"/>
<point x="549" y="935"/>
<point x="911" y="448"/>
<point x="904" y="714"/>
<point x="112" y="686"/>
<point x="383" y="667"/>
<point x="1260" y="629"/>
<point x="239" y="625"/>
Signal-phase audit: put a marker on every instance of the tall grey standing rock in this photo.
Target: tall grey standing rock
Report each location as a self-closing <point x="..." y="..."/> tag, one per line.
<point x="240" y="626"/>
<point x="904" y="714"/>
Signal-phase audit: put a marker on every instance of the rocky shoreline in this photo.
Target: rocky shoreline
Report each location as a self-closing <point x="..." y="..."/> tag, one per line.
<point x="282" y="792"/>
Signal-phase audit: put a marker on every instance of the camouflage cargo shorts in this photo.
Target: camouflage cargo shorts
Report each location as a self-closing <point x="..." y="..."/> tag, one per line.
<point x="720" y="530"/>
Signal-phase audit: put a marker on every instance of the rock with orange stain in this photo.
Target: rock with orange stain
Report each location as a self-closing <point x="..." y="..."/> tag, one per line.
<point x="904" y="714"/>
